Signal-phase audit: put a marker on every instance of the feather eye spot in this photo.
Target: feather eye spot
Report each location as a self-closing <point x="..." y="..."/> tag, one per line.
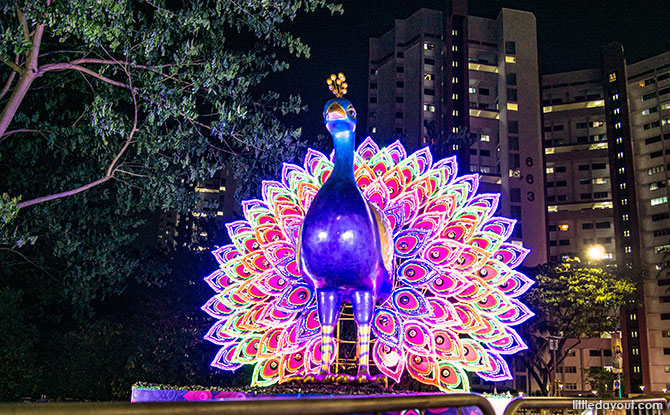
<point x="378" y="173"/>
<point x="410" y="272"/>
<point x="302" y="295"/>
<point x="418" y="359"/>
<point x="439" y="339"/>
<point x="273" y="365"/>
<point x="445" y="372"/>
<point x="403" y="245"/>
<point x="435" y="254"/>
<point x="404" y="299"/>
<point x="439" y="282"/>
<point x="451" y="234"/>
<point x="412" y="333"/>
<point x="483" y="272"/>
<point x="461" y="260"/>
<point x="255" y="245"/>
<point x="298" y="357"/>
<point x="387" y="349"/>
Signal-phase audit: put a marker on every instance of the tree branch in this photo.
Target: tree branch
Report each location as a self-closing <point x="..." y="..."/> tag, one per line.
<point x="25" y="258"/>
<point x="63" y="194"/>
<point x="24" y="24"/>
<point x="21" y="130"/>
<point x="16" y="68"/>
<point x="62" y="66"/>
<point x="8" y="84"/>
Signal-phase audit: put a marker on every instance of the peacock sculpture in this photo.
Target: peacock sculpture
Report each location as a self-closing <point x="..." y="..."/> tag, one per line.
<point x="416" y="251"/>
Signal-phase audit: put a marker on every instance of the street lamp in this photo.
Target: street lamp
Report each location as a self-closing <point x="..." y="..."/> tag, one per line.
<point x="596" y="252"/>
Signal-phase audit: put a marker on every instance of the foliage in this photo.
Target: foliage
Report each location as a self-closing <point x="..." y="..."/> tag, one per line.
<point x="602" y="380"/>
<point x="19" y="370"/>
<point x="114" y="109"/>
<point x="571" y="300"/>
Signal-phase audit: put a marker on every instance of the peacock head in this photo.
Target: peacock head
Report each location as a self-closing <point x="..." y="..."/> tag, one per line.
<point x="339" y="114"/>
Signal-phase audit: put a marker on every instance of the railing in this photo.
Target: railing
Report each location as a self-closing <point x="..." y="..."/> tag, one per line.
<point x="341" y="405"/>
<point x="292" y="406"/>
<point x="659" y="406"/>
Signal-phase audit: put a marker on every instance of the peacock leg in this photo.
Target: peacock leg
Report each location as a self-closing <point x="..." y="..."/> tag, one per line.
<point x="329" y="311"/>
<point x="363" y="303"/>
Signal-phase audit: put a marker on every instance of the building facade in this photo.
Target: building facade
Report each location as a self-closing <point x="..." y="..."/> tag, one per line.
<point x="468" y="86"/>
<point x="581" y="158"/>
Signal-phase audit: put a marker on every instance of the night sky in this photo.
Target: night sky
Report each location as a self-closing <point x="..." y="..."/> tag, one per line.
<point x="570" y="35"/>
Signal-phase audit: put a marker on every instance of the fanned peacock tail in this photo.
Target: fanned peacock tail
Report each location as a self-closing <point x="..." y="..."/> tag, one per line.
<point x="454" y="300"/>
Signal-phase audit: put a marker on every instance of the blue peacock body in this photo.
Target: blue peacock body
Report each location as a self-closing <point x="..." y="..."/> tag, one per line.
<point x="414" y="248"/>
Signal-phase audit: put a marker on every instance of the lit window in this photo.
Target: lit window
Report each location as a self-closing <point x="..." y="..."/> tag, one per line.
<point x="454" y="113"/>
<point x="659" y="200"/>
<point x="615" y="97"/>
<point x="429" y="107"/>
<point x="624" y="217"/>
<point x="373" y="130"/>
<point x="665" y="106"/>
<point x="645" y="111"/>
<point x="512" y="106"/>
<point x="626" y="233"/>
<point x="454" y="64"/>
<point x="454" y="96"/>
<point x="622" y="186"/>
<point x="627" y="249"/>
<point x="612" y="77"/>
<point x="549" y="170"/>
<point x="617" y="110"/>
<point x="472" y="90"/>
<point x="484" y="137"/>
<point x="428" y="76"/>
<point x="564" y="227"/>
<point x="621" y="170"/>
<point x="597" y="124"/>
<point x="428" y="46"/>
<point x="619" y="155"/>
<point x="619" y="140"/>
<point x="600" y="180"/>
<point x="454" y="48"/>
<point x="510" y="59"/>
<point x="454" y="32"/>
<point x="454" y="80"/>
<point x="617" y="125"/>
<point x="665" y="121"/>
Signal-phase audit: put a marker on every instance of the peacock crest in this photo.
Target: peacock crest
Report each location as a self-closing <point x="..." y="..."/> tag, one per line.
<point x="454" y="297"/>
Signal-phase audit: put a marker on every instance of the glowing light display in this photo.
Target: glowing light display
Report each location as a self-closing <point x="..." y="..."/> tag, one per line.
<point x="454" y="300"/>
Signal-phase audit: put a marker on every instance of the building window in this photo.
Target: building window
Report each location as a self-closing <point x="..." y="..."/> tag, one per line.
<point x="399" y="100"/>
<point x="511" y="78"/>
<point x="612" y="77"/>
<point x="510" y="59"/>
<point x="429" y="107"/>
<point x="428" y="46"/>
<point x="571" y="369"/>
<point x="484" y="137"/>
<point x="484" y="91"/>
<point x="603" y="225"/>
<point x="659" y="200"/>
<point x="472" y="90"/>
<point x="428" y="76"/>
<point x="429" y="92"/>
<point x="655" y="170"/>
<point x="429" y="61"/>
<point x="564" y="227"/>
<point x="454" y="48"/>
<point x="400" y="84"/>
<point x="512" y="95"/>
<point x="513" y="127"/>
<point x="400" y="69"/>
<point x="594" y="352"/>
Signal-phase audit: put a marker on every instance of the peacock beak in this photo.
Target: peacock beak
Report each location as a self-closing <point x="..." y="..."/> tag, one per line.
<point x="335" y="112"/>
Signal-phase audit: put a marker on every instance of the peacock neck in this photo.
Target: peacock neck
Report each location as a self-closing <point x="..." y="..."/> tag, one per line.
<point x="344" y="155"/>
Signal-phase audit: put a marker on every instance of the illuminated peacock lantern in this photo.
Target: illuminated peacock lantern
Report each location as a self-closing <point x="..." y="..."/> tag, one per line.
<point x="414" y="249"/>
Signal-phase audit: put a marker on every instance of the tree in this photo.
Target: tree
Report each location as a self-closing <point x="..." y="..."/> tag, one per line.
<point x="574" y="301"/>
<point x="111" y="110"/>
<point x="602" y="381"/>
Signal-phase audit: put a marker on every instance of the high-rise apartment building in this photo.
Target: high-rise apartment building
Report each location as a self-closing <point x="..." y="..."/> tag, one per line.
<point x="581" y="158"/>
<point x="468" y="86"/>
